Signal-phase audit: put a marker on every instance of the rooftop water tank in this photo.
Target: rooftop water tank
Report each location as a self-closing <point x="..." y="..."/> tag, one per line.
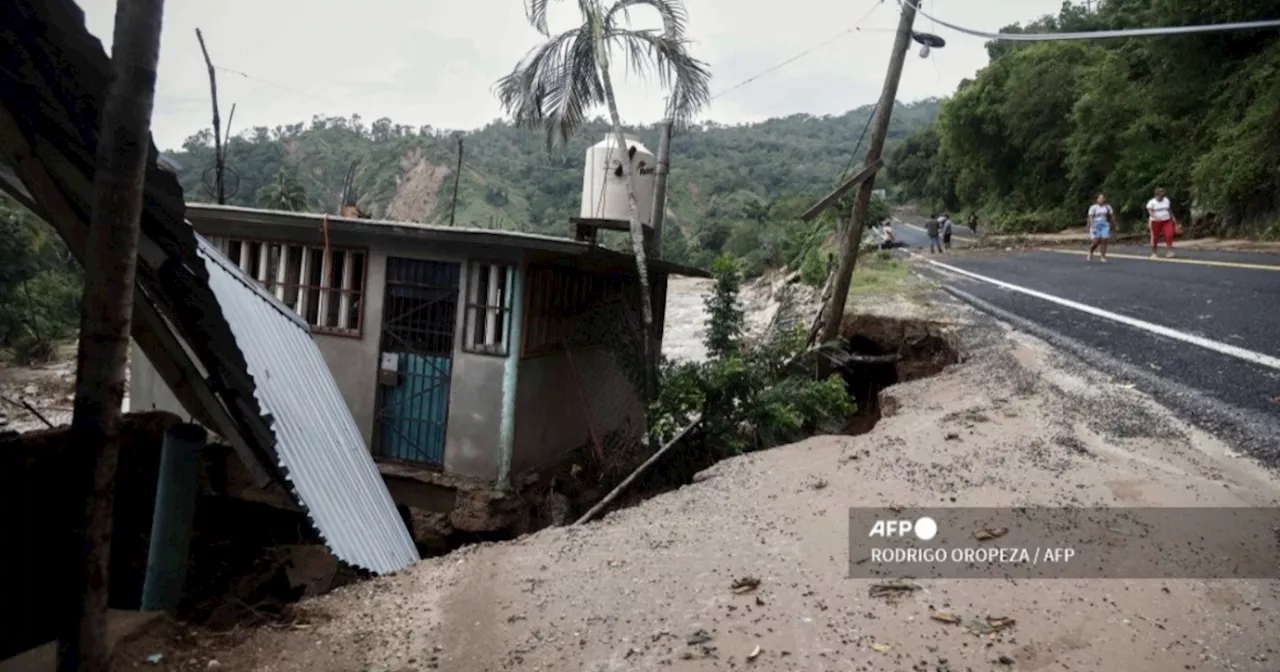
<point x="604" y="189"/>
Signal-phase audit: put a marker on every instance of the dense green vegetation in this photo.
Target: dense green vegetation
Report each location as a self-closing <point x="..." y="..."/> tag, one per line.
<point x="39" y="285"/>
<point x="1026" y="143"/>
<point x="1047" y="125"/>
<point x="732" y="188"/>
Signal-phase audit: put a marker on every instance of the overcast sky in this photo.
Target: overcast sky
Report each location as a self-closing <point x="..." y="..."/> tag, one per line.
<point x="435" y="61"/>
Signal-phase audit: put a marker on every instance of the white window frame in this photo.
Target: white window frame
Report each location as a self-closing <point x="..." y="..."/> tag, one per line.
<point x="487" y="327"/>
<point x="272" y="263"/>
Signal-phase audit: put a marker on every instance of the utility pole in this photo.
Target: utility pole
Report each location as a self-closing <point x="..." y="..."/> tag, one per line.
<point x="660" y="185"/>
<point x="849" y="243"/>
<point x="659" y="216"/>
<point x="457" y="175"/>
<point x="219" y="192"/>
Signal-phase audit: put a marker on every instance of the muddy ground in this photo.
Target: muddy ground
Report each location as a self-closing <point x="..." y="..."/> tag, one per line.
<point x="633" y="590"/>
<point x="38" y="395"/>
<point x="48" y="388"/>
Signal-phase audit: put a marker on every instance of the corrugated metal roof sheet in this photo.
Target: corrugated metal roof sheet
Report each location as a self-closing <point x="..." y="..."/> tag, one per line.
<point x="207" y="341"/>
<point x="322" y="453"/>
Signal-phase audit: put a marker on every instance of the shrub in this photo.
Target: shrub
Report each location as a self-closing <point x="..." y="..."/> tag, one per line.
<point x="750" y="397"/>
<point x="813" y="270"/>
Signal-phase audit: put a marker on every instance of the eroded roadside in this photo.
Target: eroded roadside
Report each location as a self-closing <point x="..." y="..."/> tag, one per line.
<point x="633" y="590"/>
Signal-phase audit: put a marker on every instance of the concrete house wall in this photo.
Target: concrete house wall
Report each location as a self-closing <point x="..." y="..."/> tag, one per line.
<point x="549" y="416"/>
<point x="475" y="392"/>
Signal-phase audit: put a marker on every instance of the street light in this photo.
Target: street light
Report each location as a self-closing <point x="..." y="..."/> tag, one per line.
<point x="928" y="41"/>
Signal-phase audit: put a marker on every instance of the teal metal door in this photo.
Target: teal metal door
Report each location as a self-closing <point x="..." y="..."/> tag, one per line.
<point x="419" y="313"/>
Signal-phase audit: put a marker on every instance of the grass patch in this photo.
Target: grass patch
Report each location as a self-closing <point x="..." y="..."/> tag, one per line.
<point x="879" y="273"/>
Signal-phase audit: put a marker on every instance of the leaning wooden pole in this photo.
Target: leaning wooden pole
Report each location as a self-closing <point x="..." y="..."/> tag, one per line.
<point x="834" y="312"/>
<point x="124" y="143"/>
<point x="219" y="191"/>
<point x="613" y="494"/>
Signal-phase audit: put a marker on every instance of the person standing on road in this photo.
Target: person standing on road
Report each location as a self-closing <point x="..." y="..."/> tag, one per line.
<point x="946" y="231"/>
<point x="973" y="222"/>
<point x="1099" y="221"/>
<point x="1160" y="216"/>
<point x="931" y="228"/>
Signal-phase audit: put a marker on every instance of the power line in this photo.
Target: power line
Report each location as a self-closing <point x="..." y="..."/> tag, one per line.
<point x="858" y="146"/>
<point x="278" y="86"/>
<point x="852" y="29"/>
<point x="1100" y="34"/>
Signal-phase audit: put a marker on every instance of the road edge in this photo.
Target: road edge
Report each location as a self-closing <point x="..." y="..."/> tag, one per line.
<point x="1241" y="429"/>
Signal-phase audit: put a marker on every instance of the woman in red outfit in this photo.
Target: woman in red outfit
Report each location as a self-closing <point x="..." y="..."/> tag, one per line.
<point x="1160" y="215"/>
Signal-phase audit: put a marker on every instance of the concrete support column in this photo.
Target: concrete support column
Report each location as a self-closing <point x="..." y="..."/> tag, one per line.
<point x="510" y="373"/>
<point x="173" y="518"/>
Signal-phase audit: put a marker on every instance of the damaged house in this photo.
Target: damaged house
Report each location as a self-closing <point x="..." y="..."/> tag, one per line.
<point x="354" y="369"/>
<point x="467" y="357"/>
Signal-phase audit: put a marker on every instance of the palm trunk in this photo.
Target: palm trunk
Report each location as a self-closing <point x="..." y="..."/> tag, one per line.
<point x="124" y="142"/>
<point x="637" y="239"/>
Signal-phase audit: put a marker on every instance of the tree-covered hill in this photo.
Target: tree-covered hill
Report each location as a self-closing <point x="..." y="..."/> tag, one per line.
<point x="1046" y="126"/>
<point x="723" y="178"/>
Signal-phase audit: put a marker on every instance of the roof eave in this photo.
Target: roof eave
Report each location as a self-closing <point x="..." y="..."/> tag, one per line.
<point x="304" y="221"/>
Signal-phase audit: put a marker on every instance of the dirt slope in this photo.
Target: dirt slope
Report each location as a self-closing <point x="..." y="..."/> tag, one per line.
<point x="415" y="197"/>
<point x="629" y="592"/>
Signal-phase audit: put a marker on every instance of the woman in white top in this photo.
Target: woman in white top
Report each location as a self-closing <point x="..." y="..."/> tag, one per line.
<point x="1099" y="221"/>
<point x="1160" y="214"/>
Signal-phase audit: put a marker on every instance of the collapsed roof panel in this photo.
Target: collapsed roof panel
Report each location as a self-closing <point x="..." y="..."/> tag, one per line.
<point x="195" y="319"/>
<point x="320" y="449"/>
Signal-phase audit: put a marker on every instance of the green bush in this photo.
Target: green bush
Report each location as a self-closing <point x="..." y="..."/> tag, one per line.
<point x="813" y="270"/>
<point x="1040" y="221"/>
<point x="750" y="397"/>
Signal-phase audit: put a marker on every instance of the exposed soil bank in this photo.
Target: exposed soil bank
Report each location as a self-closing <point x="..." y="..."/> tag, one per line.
<point x="1012" y="425"/>
<point x="921" y="349"/>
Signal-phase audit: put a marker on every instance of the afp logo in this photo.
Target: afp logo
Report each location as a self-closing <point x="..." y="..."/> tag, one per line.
<point x="924" y="528"/>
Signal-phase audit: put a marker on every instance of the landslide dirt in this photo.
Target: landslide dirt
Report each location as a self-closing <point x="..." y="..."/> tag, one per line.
<point x="649" y="587"/>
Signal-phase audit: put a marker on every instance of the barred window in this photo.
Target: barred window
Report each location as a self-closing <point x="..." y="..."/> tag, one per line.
<point x="488" y="326"/>
<point x="327" y="291"/>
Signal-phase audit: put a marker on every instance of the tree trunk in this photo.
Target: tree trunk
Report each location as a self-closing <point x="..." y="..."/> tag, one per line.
<point x="124" y="142"/>
<point x="637" y="239"/>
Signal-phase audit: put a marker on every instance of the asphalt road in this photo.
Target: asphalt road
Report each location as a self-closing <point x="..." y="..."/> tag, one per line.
<point x="914" y="236"/>
<point x="1228" y="298"/>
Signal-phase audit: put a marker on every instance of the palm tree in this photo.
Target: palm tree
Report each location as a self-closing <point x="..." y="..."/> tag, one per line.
<point x="558" y="82"/>
<point x="110" y="267"/>
<point x="283" y="193"/>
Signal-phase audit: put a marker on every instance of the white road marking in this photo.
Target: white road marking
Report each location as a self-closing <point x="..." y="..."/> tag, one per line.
<point x="1216" y="346"/>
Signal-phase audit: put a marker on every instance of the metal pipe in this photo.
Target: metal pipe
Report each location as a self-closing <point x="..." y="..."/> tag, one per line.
<point x="174" y="515"/>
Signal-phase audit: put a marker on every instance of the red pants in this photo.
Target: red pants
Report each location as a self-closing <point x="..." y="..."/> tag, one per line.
<point x="1161" y="230"/>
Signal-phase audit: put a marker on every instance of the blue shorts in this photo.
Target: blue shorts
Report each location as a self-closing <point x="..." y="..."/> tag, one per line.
<point x="1101" y="230"/>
